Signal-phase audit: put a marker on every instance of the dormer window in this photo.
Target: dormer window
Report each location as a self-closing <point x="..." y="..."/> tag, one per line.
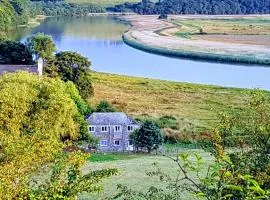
<point x="104" y="128"/>
<point x="91" y="129"/>
<point x="117" y="128"/>
<point x="130" y="128"/>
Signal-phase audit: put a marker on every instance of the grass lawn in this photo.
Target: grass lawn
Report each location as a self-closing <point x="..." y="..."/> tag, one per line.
<point x="192" y="105"/>
<point x="133" y="172"/>
<point x="107" y="157"/>
<point x="251" y="30"/>
<point x="102" y="2"/>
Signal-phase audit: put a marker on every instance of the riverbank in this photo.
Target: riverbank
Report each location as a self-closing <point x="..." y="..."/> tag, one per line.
<point x="150" y="34"/>
<point x="194" y="106"/>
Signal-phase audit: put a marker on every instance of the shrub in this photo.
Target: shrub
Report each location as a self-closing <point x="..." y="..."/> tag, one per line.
<point x="105" y="106"/>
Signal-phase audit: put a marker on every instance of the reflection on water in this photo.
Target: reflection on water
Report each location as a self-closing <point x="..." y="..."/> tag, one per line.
<point x="99" y="39"/>
<point x="97" y="28"/>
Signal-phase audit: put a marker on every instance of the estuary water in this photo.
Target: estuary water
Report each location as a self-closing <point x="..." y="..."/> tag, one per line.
<point x="100" y="39"/>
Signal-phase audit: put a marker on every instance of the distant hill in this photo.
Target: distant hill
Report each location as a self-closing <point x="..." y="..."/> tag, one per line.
<point x="210" y="7"/>
<point x="102" y="2"/>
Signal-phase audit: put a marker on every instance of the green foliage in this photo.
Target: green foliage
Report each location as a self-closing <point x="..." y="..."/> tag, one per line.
<point x="13" y="12"/>
<point x="51" y="8"/>
<point x="148" y="136"/>
<point x="210" y="7"/>
<point x="42" y="46"/>
<point x="67" y="181"/>
<point x="8" y="16"/>
<point x="81" y="104"/>
<point x="12" y="52"/>
<point x="105" y="106"/>
<point x="71" y="66"/>
<point x="251" y="134"/>
<point x="34" y="118"/>
<point x="166" y="121"/>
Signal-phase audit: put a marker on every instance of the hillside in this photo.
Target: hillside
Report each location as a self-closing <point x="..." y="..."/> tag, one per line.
<point x="102" y="2"/>
<point x="193" y="105"/>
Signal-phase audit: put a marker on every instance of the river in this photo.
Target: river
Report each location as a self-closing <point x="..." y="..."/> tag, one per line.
<point x="100" y="39"/>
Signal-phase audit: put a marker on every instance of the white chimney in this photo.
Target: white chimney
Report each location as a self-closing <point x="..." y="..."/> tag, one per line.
<point x="40" y="66"/>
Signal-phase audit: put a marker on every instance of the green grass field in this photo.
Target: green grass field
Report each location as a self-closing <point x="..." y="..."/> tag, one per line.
<point x="133" y="172"/>
<point x="102" y="2"/>
<point x="192" y="105"/>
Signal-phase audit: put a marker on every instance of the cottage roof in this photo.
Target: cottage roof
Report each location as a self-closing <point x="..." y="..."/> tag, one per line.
<point x="110" y="118"/>
<point x="14" y="68"/>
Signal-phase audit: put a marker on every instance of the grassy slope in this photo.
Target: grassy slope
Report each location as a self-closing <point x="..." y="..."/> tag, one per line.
<point x="133" y="173"/>
<point x="102" y="2"/>
<point x="189" y="103"/>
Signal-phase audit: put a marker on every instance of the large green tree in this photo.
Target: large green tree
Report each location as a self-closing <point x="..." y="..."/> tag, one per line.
<point x="35" y="116"/>
<point x="12" y="52"/>
<point x="71" y="66"/>
<point x="148" y="136"/>
<point x="42" y="46"/>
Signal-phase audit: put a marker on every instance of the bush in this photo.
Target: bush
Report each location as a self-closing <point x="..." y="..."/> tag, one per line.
<point x="105" y="106"/>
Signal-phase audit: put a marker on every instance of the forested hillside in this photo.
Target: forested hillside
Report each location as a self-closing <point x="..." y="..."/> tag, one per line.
<point x="214" y="7"/>
<point x="13" y="12"/>
<point x="18" y="12"/>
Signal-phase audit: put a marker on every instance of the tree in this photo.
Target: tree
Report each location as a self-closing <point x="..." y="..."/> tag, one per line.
<point x="12" y="52"/>
<point x="148" y="136"/>
<point x="71" y="66"/>
<point x="34" y="117"/>
<point x="38" y="118"/>
<point x="105" y="106"/>
<point x="42" y="46"/>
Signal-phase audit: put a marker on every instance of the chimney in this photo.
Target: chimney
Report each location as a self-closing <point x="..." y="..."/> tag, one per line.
<point x="40" y="66"/>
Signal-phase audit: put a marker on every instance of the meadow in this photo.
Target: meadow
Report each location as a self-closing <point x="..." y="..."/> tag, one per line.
<point x="133" y="170"/>
<point x="244" y="30"/>
<point x="194" y="107"/>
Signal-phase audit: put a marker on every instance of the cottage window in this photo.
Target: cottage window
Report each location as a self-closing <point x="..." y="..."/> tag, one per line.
<point x="117" y="128"/>
<point x="104" y="128"/>
<point x="130" y="143"/>
<point x="104" y="143"/>
<point x="91" y="128"/>
<point x="130" y="128"/>
<point x="116" y="142"/>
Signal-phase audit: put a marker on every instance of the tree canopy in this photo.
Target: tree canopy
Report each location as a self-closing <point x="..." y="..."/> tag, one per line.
<point x="34" y="117"/>
<point x="42" y="46"/>
<point x="148" y="136"/>
<point x="12" y="52"/>
<point x="71" y="66"/>
<point x="211" y="7"/>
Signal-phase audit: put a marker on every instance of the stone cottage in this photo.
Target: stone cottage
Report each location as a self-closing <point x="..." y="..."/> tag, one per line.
<point x="113" y="130"/>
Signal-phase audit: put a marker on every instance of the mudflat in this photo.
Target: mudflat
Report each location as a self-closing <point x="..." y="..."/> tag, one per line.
<point x="243" y="36"/>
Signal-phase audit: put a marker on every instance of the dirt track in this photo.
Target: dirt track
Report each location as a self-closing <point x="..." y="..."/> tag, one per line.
<point x="150" y="31"/>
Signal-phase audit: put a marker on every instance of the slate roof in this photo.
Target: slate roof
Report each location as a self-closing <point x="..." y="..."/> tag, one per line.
<point x="110" y="118"/>
<point x="14" y="68"/>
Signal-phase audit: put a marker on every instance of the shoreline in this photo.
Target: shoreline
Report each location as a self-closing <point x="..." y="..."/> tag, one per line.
<point x="146" y="34"/>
